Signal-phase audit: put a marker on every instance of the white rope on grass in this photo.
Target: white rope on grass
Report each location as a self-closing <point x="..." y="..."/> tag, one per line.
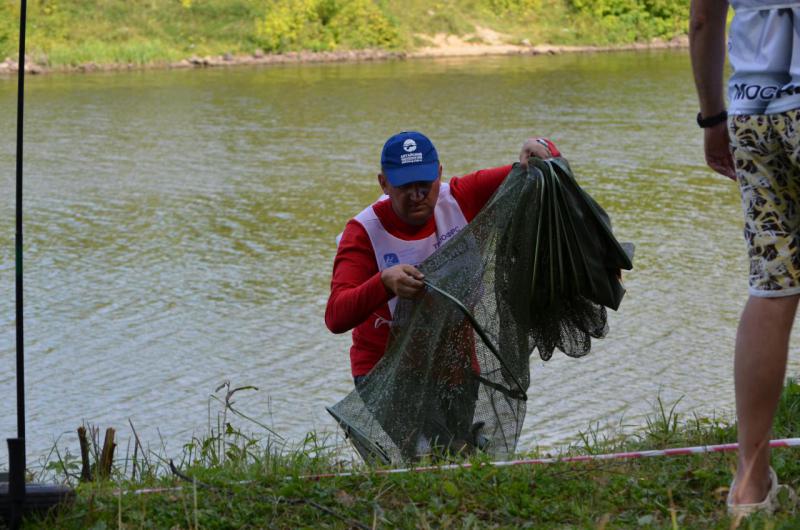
<point x="679" y="451"/>
<point x="629" y="455"/>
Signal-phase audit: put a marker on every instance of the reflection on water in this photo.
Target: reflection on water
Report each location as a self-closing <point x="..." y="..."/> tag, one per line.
<point x="180" y="231"/>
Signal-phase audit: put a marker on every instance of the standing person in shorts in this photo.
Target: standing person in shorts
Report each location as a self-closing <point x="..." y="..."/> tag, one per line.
<point x="756" y="142"/>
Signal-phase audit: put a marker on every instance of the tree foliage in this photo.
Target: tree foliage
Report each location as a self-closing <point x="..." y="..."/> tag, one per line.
<point x="9" y="15"/>
<point x="632" y="20"/>
<point x="325" y="25"/>
<point x="73" y="32"/>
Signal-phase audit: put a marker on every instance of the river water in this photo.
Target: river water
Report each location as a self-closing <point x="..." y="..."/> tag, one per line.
<point x="180" y="232"/>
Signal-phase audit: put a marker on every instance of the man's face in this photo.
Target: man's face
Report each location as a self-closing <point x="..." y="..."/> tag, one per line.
<point x="414" y="202"/>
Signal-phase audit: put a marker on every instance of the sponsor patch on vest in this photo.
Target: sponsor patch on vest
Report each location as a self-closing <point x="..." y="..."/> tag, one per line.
<point x="390" y="259"/>
<point x="444" y="237"/>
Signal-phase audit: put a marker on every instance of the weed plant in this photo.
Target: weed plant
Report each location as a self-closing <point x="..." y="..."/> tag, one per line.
<point x="231" y="479"/>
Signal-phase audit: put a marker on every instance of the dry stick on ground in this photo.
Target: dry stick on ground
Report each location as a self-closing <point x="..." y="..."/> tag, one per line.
<point x="86" y="470"/>
<point x="133" y="466"/>
<point x="106" y="455"/>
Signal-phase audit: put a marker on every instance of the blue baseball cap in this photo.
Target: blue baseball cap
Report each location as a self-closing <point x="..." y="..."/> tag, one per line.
<point x="409" y="156"/>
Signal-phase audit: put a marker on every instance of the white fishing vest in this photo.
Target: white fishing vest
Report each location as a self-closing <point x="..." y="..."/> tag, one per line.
<point x="764" y="52"/>
<point x="390" y="250"/>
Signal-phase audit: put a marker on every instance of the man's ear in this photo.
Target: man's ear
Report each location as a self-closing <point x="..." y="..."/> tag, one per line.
<point x="383" y="182"/>
<point x="440" y="171"/>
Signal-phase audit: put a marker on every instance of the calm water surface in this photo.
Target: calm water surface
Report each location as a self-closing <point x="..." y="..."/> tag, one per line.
<point x="180" y="232"/>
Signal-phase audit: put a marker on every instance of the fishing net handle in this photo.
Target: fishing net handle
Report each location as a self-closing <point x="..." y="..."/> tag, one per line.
<point x="518" y="393"/>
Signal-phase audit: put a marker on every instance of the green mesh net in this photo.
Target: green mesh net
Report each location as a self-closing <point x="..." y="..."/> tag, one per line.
<point x="535" y="270"/>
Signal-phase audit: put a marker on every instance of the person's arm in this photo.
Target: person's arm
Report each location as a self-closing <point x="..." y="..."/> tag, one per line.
<point x="707" y="50"/>
<point x="356" y="286"/>
<point x="472" y="191"/>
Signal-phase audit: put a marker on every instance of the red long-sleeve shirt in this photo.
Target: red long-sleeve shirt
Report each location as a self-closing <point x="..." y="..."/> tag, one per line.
<point x="358" y="299"/>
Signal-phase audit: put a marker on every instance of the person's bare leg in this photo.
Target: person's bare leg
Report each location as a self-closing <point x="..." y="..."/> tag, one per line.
<point x="762" y="346"/>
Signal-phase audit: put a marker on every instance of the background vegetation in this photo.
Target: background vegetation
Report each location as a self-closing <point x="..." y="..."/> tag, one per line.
<point x="72" y="32"/>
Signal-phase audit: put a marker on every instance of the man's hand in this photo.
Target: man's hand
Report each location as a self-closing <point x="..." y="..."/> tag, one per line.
<point x="404" y="281"/>
<point x="533" y="147"/>
<point x="718" y="151"/>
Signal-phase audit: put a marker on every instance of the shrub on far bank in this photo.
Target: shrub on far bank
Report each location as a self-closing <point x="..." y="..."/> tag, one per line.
<point x="322" y="25"/>
<point x="631" y="20"/>
<point x="8" y="29"/>
<point x="68" y="32"/>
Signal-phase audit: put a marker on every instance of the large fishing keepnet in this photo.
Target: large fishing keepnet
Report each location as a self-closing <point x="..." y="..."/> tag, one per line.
<point x="535" y="270"/>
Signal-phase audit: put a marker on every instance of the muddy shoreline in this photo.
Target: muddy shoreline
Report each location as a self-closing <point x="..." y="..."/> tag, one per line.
<point x="448" y="47"/>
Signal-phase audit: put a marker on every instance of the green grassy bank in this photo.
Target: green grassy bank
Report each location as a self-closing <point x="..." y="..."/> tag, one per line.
<point x="64" y="33"/>
<point x="674" y="492"/>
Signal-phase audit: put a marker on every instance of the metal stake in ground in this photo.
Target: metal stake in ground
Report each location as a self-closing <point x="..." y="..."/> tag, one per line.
<point x="16" y="447"/>
<point x="16" y="495"/>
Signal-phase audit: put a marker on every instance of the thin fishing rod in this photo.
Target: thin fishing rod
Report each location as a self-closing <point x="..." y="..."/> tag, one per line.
<point x="17" y="490"/>
<point x="21" y="496"/>
<point x="18" y="267"/>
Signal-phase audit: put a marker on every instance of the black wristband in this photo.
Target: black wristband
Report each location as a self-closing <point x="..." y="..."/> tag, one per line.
<point x="705" y="123"/>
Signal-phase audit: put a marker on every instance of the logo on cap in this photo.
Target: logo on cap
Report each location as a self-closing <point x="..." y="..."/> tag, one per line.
<point x="409" y="146"/>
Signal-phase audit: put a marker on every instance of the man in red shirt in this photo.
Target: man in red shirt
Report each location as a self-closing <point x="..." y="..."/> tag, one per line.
<point x="380" y="248"/>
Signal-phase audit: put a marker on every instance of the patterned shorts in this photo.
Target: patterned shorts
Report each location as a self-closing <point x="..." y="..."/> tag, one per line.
<point x="766" y="151"/>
